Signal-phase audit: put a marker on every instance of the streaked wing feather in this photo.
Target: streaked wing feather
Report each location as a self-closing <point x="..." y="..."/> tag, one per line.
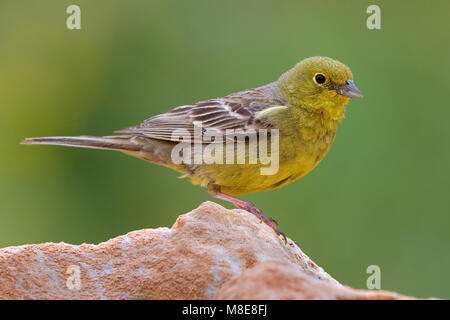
<point x="235" y="111"/>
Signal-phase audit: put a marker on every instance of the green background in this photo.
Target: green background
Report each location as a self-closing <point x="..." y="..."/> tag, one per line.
<point x="380" y="197"/>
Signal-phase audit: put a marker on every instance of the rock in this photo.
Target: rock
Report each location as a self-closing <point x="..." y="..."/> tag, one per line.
<point x="283" y="280"/>
<point x="208" y="253"/>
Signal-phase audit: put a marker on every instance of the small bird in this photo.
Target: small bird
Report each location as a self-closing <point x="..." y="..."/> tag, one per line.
<point x="305" y="105"/>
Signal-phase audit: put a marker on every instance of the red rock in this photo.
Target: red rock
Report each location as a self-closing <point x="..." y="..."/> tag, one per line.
<point x="271" y="280"/>
<point x="208" y="253"/>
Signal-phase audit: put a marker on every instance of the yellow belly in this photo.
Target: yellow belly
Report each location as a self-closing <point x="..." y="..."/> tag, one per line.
<point x="296" y="159"/>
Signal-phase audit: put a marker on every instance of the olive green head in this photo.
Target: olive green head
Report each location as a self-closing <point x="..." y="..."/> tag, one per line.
<point x="319" y="84"/>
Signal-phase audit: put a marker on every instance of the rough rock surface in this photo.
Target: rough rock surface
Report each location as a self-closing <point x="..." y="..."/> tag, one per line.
<point x="282" y="280"/>
<point x="208" y="253"/>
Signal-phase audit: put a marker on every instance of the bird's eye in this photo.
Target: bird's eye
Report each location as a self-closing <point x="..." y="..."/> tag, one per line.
<point x="320" y="78"/>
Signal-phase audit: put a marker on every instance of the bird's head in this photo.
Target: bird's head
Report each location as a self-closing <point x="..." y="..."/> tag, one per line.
<point x="319" y="84"/>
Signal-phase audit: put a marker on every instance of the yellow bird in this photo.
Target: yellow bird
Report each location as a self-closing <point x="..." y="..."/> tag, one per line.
<point x="302" y="109"/>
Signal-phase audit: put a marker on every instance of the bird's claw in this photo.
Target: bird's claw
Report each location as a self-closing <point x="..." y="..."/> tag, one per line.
<point x="267" y="220"/>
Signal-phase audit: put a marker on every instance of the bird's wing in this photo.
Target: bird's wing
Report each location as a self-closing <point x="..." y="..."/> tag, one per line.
<point x="236" y="111"/>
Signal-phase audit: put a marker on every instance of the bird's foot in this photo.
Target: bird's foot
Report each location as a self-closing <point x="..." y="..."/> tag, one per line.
<point x="250" y="207"/>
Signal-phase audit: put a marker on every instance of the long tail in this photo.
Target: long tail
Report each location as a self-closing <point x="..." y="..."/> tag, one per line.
<point x="120" y="142"/>
<point x="153" y="150"/>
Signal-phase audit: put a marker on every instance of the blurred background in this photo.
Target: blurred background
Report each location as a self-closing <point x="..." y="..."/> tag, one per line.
<point x="380" y="197"/>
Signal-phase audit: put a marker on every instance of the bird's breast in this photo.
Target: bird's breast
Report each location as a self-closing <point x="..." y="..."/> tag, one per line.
<point x="300" y="149"/>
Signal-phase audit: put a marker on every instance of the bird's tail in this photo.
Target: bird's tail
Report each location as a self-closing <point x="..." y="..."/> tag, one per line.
<point x="152" y="150"/>
<point x="120" y="142"/>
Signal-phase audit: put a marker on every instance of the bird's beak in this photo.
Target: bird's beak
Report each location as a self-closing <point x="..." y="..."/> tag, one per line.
<point x="350" y="90"/>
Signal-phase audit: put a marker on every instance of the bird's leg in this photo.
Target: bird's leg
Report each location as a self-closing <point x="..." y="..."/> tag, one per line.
<point x="250" y="207"/>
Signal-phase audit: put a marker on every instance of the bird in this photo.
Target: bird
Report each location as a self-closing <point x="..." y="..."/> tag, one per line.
<point x="302" y="108"/>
